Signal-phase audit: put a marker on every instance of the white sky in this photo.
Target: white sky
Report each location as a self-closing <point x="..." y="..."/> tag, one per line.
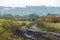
<point x="23" y="3"/>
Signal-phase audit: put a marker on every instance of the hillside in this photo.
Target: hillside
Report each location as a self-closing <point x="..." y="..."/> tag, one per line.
<point x="40" y="10"/>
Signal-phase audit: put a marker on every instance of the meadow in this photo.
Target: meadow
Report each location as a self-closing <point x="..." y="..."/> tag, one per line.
<point x="6" y="34"/>
<point x="7" y="27"/>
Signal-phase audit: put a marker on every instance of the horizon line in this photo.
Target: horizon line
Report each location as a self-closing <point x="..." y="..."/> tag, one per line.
<point x="30" y="6"/>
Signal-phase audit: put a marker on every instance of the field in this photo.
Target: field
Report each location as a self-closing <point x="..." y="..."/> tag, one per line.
<point x="6" y="34"/>
<point x="52" y="27"/>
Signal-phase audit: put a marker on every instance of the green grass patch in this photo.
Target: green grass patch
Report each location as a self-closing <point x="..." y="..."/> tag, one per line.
<point x="53" y="27"/>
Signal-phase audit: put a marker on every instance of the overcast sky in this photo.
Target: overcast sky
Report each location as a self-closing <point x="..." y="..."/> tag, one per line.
<point x="23" y="3"/>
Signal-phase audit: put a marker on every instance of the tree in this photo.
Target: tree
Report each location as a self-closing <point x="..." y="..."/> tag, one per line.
<point x="8" y="16"/>
<point x="33" y="15"/>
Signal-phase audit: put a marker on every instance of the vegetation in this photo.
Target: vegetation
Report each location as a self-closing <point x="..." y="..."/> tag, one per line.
<point x="9" y="25"/>
<point x="52" y="27"/>
<point x="7" y="28"/>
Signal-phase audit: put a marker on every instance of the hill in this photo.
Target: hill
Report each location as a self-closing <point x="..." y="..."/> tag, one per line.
<point x="40" y="10"/>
